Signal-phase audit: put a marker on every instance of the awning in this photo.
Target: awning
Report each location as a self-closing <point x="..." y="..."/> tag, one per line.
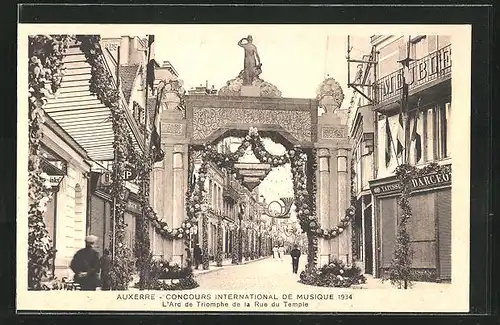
<point x="81" y="114"/>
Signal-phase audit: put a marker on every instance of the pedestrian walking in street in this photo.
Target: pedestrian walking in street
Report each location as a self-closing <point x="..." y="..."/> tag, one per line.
<point x="295" y="253"/>
<point x="275" y="252"/>
<point x="281" y="251"/>
<point x="197" y="256"/>
<point x="86" y="265"/>
<point x="105" y="270"/>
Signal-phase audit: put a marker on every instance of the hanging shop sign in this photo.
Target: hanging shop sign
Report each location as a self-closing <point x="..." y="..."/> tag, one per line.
<point x="55" y="180"/>
<point x="418" y="183"/>
<point x="129" y="173"/>
<point x="133" y="207"/>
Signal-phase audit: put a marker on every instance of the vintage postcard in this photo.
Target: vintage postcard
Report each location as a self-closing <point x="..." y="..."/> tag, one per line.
<point x="243" y="168"/>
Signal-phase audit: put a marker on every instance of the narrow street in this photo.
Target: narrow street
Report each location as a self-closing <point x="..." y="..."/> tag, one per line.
<point x="266" y="274"/>
<point x="270" y="274"/>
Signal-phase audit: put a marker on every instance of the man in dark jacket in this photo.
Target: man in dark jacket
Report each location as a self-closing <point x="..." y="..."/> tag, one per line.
<point x="105" y="269"/>
<point x="295" y="253"/>
<point x="197" y="256"/>
<point x="86" y="265"/>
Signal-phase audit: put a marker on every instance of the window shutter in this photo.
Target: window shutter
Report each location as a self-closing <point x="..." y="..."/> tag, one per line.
<point x="388" y="229"/>
<point x="432" y="43"/>
<point x="402" y="51"/>
<point x="444" y="226"/>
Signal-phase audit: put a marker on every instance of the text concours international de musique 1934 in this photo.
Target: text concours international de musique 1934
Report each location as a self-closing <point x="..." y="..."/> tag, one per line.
<point x="232" y="300"/>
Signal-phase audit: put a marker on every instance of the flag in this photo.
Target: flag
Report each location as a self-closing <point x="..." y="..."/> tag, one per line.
<point x="417" y="139"/>
<point x="150" y="73"/>
<point x="388" y="142"/>
<point x="400" y="136"/>
<point x="157" y="152"/>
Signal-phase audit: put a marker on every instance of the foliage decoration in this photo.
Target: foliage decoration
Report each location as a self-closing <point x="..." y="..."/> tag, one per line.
<point x="220" y="239"/>
<point x="234" y="245"/>
<point x="204" y="246"/>
<point x="102" y="85"/>
<point x="400" y="272"/>
<point x="180" y="278"/>
<point x="330" y="87"/>
<point x="338" y="229"/>
<point x="334" y="274"/>
<point x="45" y="71"/>
<point x="355" y="231"/>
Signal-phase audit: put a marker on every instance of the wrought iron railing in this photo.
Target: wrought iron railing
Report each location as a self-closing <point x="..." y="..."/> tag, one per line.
<point x="435" y="66"/>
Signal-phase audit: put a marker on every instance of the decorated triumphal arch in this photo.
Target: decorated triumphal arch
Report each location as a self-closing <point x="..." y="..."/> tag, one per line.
<point x="250" y="108"/>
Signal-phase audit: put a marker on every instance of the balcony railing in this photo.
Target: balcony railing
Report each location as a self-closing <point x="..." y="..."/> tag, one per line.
<point x="435" y="66"/>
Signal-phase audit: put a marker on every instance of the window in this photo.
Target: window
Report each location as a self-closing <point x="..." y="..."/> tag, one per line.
<point x="440" y="131"/>
<point x="443" y="40"/>
<point x="419" y="47"/>
<point x="433" y="127"/>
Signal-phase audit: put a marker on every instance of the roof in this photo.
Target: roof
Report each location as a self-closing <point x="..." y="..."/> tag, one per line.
<point x="80" y="113"/>
<point x="127" y="76"/>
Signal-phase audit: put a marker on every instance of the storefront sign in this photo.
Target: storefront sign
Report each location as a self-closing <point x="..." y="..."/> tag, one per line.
<point x="55" y="180"/>
<point x="431" y="180"/>
<point x="133" y="206"/>
<point x="419" y="72"/>
<point x="422" y="182"/>
<point x="129" y="173"/>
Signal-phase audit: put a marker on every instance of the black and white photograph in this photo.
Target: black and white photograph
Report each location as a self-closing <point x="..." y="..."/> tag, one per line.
<point x="219" y="168"/>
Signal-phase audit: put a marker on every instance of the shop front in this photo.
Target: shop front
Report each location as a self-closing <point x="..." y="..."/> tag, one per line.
<point x="66" y="166"/>
<point x="429" y="228"/>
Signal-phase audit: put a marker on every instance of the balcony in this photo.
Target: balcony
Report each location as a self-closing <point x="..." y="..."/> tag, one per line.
<point x="424" y="73"/>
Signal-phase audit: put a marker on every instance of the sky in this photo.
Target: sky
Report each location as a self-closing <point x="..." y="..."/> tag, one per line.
<point x="294" y="58"/>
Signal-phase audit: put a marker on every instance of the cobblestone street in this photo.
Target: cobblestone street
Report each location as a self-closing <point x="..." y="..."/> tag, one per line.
<point x="270" y="274"/>
<point x="266" y="274"/>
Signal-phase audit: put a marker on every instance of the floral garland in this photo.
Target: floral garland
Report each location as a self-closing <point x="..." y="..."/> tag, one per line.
<point x="204" y="246"/>
<point x="45" y="70"/>
<point x="101" y="84"/>
<point x="400" y="273"/>
<point x="234" y="245"/>
<point x="355" y="229"/>
<point x="339" y="228"/>
<point x="220" y="239"/>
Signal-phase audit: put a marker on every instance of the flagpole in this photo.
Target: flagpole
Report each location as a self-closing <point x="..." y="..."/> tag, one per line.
<point x="404" y="102"/>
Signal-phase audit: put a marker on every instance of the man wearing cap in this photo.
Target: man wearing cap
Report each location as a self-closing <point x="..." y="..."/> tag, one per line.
<point x="86" y="265"/>
<point x="198" y="254"/>
<point x="295" y="253"/>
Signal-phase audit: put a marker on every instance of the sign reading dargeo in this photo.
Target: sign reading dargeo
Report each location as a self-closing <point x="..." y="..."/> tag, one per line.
<point x="427" y="181"/>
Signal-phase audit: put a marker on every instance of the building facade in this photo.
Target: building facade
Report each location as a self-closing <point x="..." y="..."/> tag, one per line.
<point x="380" y="145"/>
<point x="77" y="148"/>
<point x="68" y="167"/>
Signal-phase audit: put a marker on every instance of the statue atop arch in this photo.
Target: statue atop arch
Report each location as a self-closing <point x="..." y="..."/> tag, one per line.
<point x="249" y="76"/>
<point x="252" y="65"/>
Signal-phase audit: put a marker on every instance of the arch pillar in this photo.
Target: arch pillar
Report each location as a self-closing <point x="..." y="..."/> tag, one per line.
<point x="333" y="184"/>
<point x="170" y="181"/>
